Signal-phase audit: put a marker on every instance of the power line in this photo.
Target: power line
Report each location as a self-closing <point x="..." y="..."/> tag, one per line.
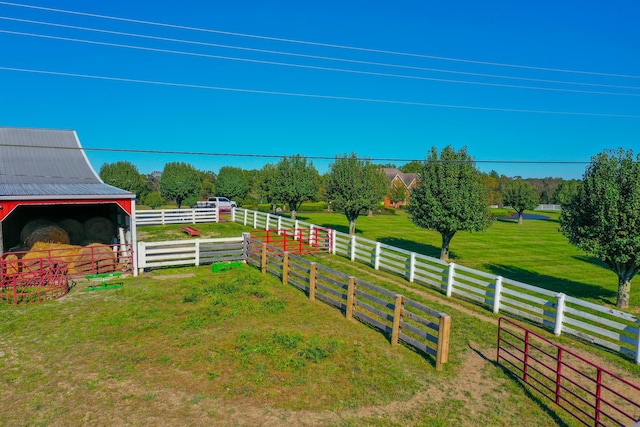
<point x="336" y="46"/>
<point x="307" y="56"/>
<point x="315" y="96"/>
<point x="281" y="156"/>
<point x="313" y="67"/>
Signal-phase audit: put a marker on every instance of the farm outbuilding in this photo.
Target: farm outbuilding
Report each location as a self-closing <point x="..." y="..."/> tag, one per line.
<point x="47" y="180"/>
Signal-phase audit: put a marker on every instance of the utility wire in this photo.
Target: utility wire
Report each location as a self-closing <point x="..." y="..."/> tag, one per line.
<point x="281" y="156"/>
<point x="313" y="67"/>
<point x="307" y="56"/>
<point x="316" y="96"/>
<point x="336" y="46"/>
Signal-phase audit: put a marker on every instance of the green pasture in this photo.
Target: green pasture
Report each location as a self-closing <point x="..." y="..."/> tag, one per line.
<point x="190" y="347"/>
<point x="534" y="252"/>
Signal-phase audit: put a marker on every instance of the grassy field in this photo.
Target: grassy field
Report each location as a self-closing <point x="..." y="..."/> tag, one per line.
<point x="189" y="347"/>
<point x="185" y="346"/>
<point x="534" y="252"/>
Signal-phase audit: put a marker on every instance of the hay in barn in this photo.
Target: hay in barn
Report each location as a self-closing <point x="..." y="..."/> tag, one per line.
<point x="48" y="234"/>
<point x="99" y="229"/>
<point x="11" y="264"/>
<point x="75" y="230"/>
<point x="95" y="258"/>
<point x="32" y="226"/>
<point x="45" y="254"/>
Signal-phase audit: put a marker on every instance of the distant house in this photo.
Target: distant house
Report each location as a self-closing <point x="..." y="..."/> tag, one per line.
<point x="399" y="179"/>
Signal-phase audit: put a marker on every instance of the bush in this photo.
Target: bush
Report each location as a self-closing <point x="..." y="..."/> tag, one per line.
<point x="154" y="200"/>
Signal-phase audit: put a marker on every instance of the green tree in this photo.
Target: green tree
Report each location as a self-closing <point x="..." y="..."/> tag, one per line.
<point x="124" y="175"/>
<point x="179" y="181"/>
<point x="413" y="166"/>
<point x="207" y="184"/>
<point x="232" y="183"/>
<point x="354" y="185"/>
<point x="294" y="181"/>
<point x="397" y="193"/>
<point x="603" y="219"/>
<point x="565" y="192"/>
<point x="521" y="196"/>
<point x="154" y="200"/>
<point x="449" y="197"/>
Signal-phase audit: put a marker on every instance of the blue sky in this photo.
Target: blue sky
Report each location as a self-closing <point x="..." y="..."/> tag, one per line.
<point x="554" y="55"/>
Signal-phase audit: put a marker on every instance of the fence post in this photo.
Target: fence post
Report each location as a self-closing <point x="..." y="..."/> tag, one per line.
<point x="279" y="225"/>
<point x="311" y="236"/>
<point x="412" y="267"/>
<point x="312" y="281"/>
<point x="142" y="257"/>
<point x="638" y="344"/>
<point x="334" y="233"/>
<point x="245" y="246"/>
<point x="162" y="211"/>
<point x="353" y="247"/>
<point x="497" y="294"/>
<point x="376" y="257"/>
<point x="263" y="261"/>
<point x="233" y="214"/>
<point x="295" y="230"/>
<point x="245" y="217"/>
<point x="266" y="223"/>
<point x="197" y="242"/>
<point x="397" y="318"/>
<point x="193" y="216"/>
<point x="255" y="219"/>
<point x="351" y="293"/>
<point x="442" y="354"/>
<point x="285" y="268"/>
<point x="452" y="268"/>
<point x="557" y="329"/>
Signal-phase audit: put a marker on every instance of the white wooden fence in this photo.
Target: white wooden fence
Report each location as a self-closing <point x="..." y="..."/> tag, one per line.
<point x="189" y="252"/>
<point x="176" y="216"/>
<point x="607" y="327"/>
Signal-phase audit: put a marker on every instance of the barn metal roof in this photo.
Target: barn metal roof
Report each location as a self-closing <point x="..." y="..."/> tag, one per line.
<point x="48" y="164"/>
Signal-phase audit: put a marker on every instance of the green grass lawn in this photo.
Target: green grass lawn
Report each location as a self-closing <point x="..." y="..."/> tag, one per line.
<point x="189" y="347"/>
<point x="534" y="252"/>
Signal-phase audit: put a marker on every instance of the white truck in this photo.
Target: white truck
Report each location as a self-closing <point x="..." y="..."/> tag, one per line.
<point x="221" y="203"/>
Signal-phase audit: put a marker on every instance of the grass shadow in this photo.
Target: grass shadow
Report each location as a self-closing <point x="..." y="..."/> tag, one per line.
<point x="542" y="404"/>
<point x="569" y="287"/>
<point x="414" y="246"/>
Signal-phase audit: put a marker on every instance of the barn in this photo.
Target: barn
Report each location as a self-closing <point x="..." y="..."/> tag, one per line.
<point x="45" y="175"/>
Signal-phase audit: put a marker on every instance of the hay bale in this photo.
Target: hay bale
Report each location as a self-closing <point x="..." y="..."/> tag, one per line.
<point x="99" y="229"/>
<point x="48" y="234"/>
<point x="11" y="264"/>
<point x="32" y="226"/>
<point x="95" y="258"/>
<point x="51" y="253"/>
<point x="75" y="230"/>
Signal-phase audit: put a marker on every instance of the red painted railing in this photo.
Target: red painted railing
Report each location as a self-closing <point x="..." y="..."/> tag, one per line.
<point x="300" y="241"/>
<point x="592" y="394"/>
<point x="42" y="274"/>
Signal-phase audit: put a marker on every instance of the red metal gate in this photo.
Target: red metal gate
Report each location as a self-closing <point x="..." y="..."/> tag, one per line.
<point x="300" y="240"/>
<point x="592" y="394"/>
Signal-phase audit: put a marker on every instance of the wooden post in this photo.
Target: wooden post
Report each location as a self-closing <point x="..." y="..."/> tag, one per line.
<point x="397" y="318"/>
<point x="197" y="249"/>
<point x="334" y="234"/>
<point x="266" y="223"/>
<point x="245" y="217"/>
<point x="279" y="225"/>
<point x="233" y="214"/>
<point x="255" y="219"/>
<point x="442" y="354"/>
<point x="285" y="268"/>
<point x="353" y="247"/>
<point x="142" y="257"/>
<point x="412" y="267"/>
<point x="557" y="330"/>
<point x="497" y="294"/>
<point x="351" y="293"/>
<point x="376" y="257"/>
<point x="312" y="281"/>
<point x="450" y="278"/>
<point x="263" y="262"/>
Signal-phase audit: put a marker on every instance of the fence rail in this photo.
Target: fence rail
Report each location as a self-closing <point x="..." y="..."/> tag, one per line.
<point x="590" y="393"/>
<point x="600" y="325"/>
<point x="189" y="252"/>
<point x="403" y="319"/>
<point x="176" y="216"/>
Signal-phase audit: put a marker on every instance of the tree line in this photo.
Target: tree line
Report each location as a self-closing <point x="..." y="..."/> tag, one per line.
<point x="601" y="212"/>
